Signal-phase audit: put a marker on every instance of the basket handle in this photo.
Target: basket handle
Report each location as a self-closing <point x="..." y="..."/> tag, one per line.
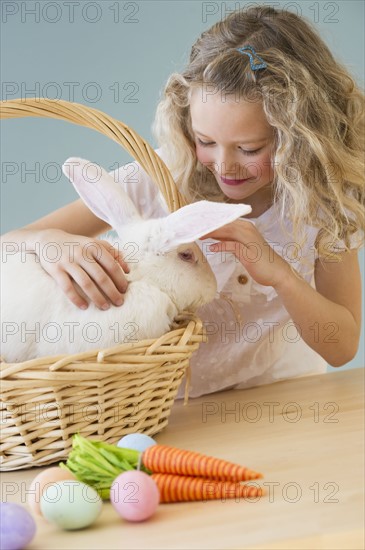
<point x="125" y="136"/>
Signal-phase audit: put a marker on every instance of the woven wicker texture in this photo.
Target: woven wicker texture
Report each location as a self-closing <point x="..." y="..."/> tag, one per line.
<point x="102" y="393"/>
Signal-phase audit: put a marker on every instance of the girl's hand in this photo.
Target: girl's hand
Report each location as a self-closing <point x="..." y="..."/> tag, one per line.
<point x="242" y="239"/>
<point x="84" y="266"/>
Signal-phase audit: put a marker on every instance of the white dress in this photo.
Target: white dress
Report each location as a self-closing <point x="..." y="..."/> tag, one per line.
<point x="252" y="339"/>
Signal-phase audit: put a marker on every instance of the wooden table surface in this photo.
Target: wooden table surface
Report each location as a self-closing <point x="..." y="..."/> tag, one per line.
<point x="306" y="436"/>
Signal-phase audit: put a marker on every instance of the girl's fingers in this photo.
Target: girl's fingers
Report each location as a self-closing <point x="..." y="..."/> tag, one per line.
<point x="230" y="231"/>
<point x="95" y="273"/>
<point x="97" y="283"/>
<point x="233" y="247"/>
<point x="117" y="255"/>
<point x="227" y="246"/>
<point x="66" y="284"/>
<point x="114" y="270"/>
<point x="89" y="286"/>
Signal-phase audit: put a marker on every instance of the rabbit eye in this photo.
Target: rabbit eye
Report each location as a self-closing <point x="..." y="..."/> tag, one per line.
<point x="187" y="256"/>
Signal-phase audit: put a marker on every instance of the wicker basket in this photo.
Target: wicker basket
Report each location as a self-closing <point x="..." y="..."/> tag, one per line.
<point x="103" y="393"/>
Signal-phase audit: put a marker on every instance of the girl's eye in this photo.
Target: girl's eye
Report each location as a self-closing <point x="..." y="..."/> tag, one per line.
<point x="250" y="152"/>
<point x="204" y="143"/>
<point x="207" y="143"/>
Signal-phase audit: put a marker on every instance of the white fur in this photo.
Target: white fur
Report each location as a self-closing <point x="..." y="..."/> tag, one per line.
<point x="166" y="276"/>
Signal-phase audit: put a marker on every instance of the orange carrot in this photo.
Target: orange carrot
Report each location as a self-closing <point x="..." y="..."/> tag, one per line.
<point x="170" y="460"/>
<point x="175" y="488"/>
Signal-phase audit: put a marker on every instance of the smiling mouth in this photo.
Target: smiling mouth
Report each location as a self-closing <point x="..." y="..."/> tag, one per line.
<point x="228" y="181"/>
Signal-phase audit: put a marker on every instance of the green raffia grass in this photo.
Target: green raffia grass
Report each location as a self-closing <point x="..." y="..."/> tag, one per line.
<point x="98" y="464"/>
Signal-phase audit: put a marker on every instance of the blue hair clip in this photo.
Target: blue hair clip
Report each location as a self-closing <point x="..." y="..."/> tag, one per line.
<point x="256" y="61"/>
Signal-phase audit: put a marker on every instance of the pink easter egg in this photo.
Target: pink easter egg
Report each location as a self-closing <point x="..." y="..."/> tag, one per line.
<point x="40" y="483"/>
<point x="134" y="495"/>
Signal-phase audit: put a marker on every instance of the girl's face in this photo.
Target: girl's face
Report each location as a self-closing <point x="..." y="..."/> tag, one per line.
<point x="235" y="142"/>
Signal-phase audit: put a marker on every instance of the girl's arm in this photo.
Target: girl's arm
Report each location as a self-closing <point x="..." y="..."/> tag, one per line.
<point x="83" y="272"/>
<point x="328" y="318"/>
<point x="74" y="218"/>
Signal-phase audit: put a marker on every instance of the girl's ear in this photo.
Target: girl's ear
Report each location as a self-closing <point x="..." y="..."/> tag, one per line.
<point x="104" y="196"/>
<point x="191" y="222"/>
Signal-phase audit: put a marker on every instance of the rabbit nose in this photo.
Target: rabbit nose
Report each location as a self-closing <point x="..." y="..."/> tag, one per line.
<point x="188" y="256"/>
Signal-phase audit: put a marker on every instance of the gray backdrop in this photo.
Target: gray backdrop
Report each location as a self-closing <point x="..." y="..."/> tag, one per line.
<point x="114" y="56"/>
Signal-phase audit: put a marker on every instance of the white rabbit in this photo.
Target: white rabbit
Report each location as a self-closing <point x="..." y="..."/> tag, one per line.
<point x="166" y="276"/>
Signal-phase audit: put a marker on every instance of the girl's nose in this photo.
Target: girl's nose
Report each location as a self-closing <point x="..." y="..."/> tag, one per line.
<point x="228" y="165"/>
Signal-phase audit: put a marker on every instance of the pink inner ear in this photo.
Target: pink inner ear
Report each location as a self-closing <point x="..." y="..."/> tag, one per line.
<point x="86" y="173"/>
<point x="73" y="168"/>
<point x="92" y="173"/>
<point x="97" y="188"/>
<point x="195" y="220"/>
<point x="93" y="186"/>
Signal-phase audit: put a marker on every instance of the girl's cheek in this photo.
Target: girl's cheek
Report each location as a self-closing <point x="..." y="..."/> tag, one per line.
<point x="204" y="157"/>
<point x="260" y="167"/>
<point x="201" y="154"/>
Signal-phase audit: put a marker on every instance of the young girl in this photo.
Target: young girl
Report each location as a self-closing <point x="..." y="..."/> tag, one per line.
<point x="263" y="114"/>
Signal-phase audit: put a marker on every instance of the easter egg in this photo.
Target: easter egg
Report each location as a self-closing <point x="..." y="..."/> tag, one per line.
<point x="134" y="495"/>
<point x="138" y="442"/>
<point x="70" y="504"/>
<point x="41" y="481"/>
<point x="17" y="527"/>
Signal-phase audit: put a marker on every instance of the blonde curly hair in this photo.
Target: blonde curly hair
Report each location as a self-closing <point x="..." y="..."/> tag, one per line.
<point x="309" y="98"/>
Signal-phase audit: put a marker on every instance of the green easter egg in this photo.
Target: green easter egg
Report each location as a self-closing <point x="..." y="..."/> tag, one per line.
<point x="70" y="504"/>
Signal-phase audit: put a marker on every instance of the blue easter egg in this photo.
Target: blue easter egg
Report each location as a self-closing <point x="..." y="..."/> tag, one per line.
<point x="138" y="442"/>
<point x="17" y="527"/>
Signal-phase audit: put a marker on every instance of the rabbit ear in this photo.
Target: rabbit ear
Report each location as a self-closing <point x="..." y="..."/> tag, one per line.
<point x="191" y="222"/>
<point x="104" y="196"/>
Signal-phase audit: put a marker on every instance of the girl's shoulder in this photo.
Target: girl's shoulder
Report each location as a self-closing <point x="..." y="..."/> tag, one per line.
<point x="140" y="187"/>
<point x="298" y="248"/>
<point x="279" y="230"/>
